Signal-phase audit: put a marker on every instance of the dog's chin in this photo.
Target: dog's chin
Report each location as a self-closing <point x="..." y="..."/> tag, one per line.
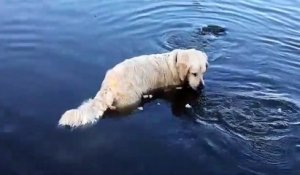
<point x="194" y="87"/>
<point x="198" y="87"/>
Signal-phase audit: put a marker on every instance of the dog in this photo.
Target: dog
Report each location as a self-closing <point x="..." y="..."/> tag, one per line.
<point x="126" y="83"/>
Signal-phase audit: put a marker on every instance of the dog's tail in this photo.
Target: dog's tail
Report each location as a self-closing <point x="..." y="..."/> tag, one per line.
<point x="89" y="112"/>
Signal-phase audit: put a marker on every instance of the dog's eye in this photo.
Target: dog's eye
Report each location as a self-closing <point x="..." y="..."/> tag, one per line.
<point x="195" y="74"/>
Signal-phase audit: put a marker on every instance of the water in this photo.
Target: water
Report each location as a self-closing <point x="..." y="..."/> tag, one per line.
<point x="54" y="55"/>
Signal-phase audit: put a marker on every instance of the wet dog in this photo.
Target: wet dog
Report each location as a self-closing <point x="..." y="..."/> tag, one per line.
<point x="125" y="84"/>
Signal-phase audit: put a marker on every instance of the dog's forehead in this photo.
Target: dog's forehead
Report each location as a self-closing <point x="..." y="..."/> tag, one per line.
<point x="198" y="58"/>
<point x="198" y="55"/>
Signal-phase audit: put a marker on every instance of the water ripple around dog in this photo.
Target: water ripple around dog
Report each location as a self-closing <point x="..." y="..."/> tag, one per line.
<point x="249" y="116"/>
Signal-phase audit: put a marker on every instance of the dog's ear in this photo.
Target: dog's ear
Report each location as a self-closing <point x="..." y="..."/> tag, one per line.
<point x="182" y="65"/>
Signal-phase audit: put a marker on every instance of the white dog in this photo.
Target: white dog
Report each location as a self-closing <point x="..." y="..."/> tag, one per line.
<point x="125" y="83"/>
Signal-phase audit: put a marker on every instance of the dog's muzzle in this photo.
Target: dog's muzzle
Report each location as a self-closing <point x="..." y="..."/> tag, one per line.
<point x="201" y="84"/>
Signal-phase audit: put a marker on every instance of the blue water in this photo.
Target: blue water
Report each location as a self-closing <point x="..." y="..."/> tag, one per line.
<point x="54" y="54"/>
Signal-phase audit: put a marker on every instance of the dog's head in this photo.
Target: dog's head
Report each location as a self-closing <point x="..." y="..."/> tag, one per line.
<point x="191" y="65"/>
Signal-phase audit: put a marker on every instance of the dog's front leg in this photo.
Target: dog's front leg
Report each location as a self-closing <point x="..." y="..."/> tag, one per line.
<point x="111" y="107"/>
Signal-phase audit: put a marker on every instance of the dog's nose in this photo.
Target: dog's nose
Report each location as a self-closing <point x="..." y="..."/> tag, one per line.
<point x="201" y="86"/>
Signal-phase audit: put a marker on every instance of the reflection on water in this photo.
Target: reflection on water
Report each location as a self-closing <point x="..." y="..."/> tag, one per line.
<point x="54" y="55"/>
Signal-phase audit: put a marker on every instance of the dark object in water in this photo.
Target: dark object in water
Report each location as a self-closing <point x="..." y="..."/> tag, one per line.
<point x="212" y="29"/>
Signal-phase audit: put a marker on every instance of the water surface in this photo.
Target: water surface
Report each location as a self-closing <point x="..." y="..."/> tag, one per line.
<point x="54" y="54"/>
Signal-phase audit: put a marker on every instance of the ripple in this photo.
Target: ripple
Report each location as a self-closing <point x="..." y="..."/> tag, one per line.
<point x="249" y="117"/>
<point x="20" y="35"/>
<point x="157" y="8"/>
